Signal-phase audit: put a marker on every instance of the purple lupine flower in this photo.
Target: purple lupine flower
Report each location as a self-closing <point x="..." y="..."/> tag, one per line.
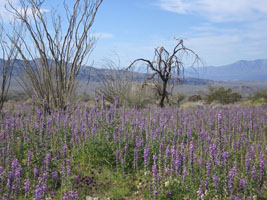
<point x="35" y="173"/>
<point x="52" y="195"/>
<point x="247" y="163"/>
<point x="200" y="192"/>
<point x="1" y="169"/>
<point x="213" y="150"/>
<point x="206" y="184"/>
<point x="154" y="169"/>
<point x="231" y="178"/>
<point x="243" y="183"/>
<point x="182" y="153"/>
<point x="38" y="193"/>
<point x="44" y="189"/>
<point x="11" y="177"/>
<point x="220" y="136"/>
<point x="150" y="187"/>
<point x="156" y="194"/>
<point x="216" y="181"/>
<point x="185" y="174"/>
<point x="154" y="158"/>
<point x="5" y="197"/>
<point x="172" y="154"/>
<point x="47" y="159"/>
<point x="45" y="176"/>
<point x="29" y="158"/>
<point x="27" y="186"/>
<point x="159" y="178"/>
<point x="261" y="165"/>
<point x="65" y="196"/>
<point x="167" y="153"/>
<point x="146" y="156"/>
<point x="115" y="138"/>
<point x="73" y="194"/>
<point x="14" y="164"/>
<point x="208" y="167"/>
<point x="167" y="170"/>
<point x="68" y="167"/>
<point x="117" y="159"/>
<point x="55" y="176"/>
<point x="126" y="148"/>
<point x="254" y="173"/>
<point x="226" y="155"/>
<point x="178" y="161"/>
<point x="18" y="172"/>
<point x="219" y="117"/>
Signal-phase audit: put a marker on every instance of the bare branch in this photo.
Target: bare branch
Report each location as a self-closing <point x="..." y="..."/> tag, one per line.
<point x="9" y="55"/>
<point x="57" y="54"/>
<point x="164" y="65"/>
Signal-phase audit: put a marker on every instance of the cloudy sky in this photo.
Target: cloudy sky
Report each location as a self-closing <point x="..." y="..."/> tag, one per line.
<point x="220" y="31"/>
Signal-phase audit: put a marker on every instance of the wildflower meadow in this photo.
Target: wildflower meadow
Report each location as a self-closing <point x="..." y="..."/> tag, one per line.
<point x="112" y="152"/>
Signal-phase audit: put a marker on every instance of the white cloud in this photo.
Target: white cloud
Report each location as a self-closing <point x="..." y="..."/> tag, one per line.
<point x="7" y="16"/>
<point x="218" y="10"/>
<point x="223" y="46"/>
<point x="4" y="13"/>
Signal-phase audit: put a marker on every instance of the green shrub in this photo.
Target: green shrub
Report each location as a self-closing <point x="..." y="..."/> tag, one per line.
<point x="176" y="99"/>
<point x="260" y="96"/>
<point x="222" y="95"/>
<point x="196" y="97"/>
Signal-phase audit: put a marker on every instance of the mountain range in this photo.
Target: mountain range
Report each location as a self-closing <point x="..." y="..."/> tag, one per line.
<point x="243" y="70"/>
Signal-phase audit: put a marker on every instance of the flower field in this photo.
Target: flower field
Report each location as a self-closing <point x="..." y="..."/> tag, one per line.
<point x="125" y="153"/>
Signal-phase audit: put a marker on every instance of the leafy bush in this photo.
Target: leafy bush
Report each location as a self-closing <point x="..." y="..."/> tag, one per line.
<point x="196" y="97"/>
<point x="176" y="99"/>
<point x="260" y="96"/>
<point x="222" y="95"/>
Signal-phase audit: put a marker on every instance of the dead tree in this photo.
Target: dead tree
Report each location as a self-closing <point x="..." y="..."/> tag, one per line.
<point x="165" y="65"/>
<point x="58" y="48"/>
<point x="9" y="54"/>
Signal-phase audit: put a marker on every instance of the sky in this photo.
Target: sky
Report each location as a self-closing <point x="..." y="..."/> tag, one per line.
<point x="219" y="31"/>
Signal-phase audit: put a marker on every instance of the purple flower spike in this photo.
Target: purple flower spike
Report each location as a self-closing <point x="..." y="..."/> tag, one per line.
<point x="216" y="181"/>
<point x="231" y="178"/>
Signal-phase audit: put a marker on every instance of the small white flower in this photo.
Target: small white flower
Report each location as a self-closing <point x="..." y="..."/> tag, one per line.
<point x="167" y="183"/>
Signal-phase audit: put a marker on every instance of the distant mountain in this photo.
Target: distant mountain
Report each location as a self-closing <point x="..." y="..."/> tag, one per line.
<point x="255" y="70"/>
<point x="242" y="70"/>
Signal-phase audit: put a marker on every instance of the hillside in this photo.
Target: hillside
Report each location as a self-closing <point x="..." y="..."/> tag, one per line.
<point x="255" y="70"/>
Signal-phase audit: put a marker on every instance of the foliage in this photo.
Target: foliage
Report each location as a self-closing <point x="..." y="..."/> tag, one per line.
<point x="195" y="97"/>
<point x="260" y="96"/>
<point x="222" y="95"/>
<point x="177" y="99"/>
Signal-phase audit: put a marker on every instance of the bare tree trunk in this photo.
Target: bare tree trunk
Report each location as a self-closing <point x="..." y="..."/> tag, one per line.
<point x="163" y="94"/>
<point x="9" y="54"/>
